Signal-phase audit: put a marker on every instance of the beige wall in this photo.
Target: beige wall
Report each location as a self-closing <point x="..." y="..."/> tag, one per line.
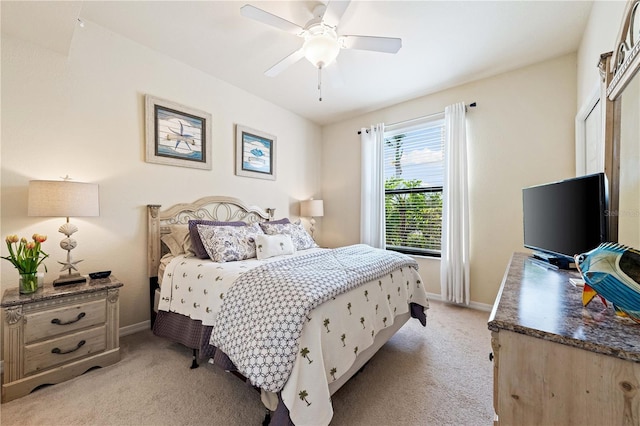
<point x="83" y="115"/>
<point x="520" y="134"/>
<point x="599" y="37"/>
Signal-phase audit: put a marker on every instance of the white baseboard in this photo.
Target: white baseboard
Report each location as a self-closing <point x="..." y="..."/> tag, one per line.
<point x="124" y="331"/>
<point x="481" y="306"/>
<point x="473" y="305"/>
<point x="134" y="328"/>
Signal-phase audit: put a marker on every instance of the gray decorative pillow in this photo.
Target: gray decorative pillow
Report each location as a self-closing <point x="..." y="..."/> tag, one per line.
<point x="196" y="242"/>
<point x="229" y="243"/>
<point x="300" y="237"/>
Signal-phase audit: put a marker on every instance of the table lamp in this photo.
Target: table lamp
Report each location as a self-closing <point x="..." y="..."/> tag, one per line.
<point x="64" y="198"/>
<point x="312" y="208"/>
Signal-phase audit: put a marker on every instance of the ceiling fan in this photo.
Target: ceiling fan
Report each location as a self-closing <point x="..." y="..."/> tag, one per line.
<point x="321" y="40"/>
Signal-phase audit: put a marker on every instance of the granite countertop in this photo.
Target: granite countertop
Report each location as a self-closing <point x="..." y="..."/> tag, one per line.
<point x="542" y="303"/>
<point x="12" y="296"/>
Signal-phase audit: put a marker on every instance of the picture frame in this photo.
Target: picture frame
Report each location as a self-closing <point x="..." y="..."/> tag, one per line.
<point x="255" y="153"/>
<point x="177" y="135"/>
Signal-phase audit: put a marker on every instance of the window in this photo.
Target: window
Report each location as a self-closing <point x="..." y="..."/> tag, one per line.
<point x="414" y="173"/>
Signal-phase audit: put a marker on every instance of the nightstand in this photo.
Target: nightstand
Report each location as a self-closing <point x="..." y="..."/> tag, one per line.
<point x="58" y="333"/>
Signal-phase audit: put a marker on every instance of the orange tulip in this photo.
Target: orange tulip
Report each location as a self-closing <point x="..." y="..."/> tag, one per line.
<point x="26" y="256"/>
<point x="39" y="238"/>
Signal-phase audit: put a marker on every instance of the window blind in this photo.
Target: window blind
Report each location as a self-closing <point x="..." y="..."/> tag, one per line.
<point x="414" y="171"/>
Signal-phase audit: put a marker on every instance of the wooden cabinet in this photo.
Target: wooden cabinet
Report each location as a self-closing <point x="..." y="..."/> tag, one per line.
<point x="555" y="362"/>
<point x="58" y="333"/>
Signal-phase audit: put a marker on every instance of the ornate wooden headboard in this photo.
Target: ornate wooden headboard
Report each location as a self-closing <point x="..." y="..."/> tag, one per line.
<point x="223" y="209"/>
<point x="617" y="69"/>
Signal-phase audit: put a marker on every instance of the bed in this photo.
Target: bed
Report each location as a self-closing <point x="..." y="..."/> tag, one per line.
<point x="297" y="325"/>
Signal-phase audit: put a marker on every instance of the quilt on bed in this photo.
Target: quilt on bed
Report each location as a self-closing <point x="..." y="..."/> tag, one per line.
<point x="333" y="333"/>
<point x="262" y="338"/>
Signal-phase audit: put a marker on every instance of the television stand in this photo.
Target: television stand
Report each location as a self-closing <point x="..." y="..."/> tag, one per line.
<point x="560" y="262"/>
<point x="541" y="353"/>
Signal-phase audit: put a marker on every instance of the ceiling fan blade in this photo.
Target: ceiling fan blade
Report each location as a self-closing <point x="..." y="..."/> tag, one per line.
<point x="334" y="11"/>
<point x="286" y="62"/>
<point x="377" y="44"/>
<point x="265" y="17"/>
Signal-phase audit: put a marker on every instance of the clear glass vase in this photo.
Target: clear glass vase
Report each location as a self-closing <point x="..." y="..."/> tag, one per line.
<point x="28" y="282"/>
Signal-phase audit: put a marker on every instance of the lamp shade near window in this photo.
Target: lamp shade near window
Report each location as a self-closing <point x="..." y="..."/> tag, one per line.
<point x="312" y="208"/>
<point x="64" y="199"/>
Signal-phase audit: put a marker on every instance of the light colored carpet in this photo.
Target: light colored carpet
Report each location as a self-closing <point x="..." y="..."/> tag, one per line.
<point x="438" y="375"/>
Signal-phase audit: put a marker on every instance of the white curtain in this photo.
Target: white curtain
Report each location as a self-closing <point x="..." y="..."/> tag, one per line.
<point x="454" y="264"/>
<point x="372" y="186"/>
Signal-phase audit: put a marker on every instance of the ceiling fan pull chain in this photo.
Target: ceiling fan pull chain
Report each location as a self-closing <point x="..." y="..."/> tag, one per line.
<point x="320" y="82"/>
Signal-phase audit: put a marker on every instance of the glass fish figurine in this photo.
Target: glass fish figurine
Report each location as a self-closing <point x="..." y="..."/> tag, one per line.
<point x="612" y="271"/>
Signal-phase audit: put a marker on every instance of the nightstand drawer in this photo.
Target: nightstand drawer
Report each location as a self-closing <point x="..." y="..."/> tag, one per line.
<point x="40" y="356"/>
<point x="65" y="319"/>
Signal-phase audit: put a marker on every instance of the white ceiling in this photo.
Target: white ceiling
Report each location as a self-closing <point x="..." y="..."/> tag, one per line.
<point x="444" y="43"/>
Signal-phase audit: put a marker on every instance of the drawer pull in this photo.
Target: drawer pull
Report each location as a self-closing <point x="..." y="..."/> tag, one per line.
<point x="57" y="321"/>
<point x="60" y="352"/>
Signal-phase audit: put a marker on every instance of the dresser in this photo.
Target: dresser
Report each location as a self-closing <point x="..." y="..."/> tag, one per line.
<point x="555" y="361"/>
<point x="58" y="333"/>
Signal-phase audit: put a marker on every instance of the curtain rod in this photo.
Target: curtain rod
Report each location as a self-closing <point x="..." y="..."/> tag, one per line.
<point x="471" y="105"/>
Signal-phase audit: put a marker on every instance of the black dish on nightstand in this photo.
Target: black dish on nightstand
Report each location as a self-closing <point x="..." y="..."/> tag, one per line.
<point x="98" y="275"/>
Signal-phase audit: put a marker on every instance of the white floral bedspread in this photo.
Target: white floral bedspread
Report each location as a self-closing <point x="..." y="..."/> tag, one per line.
<point x="334" y="334"/>
<point x="196" y="287"/>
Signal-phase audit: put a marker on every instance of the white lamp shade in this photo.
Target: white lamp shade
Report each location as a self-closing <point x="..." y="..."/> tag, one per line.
<point x="63" y="198"/>
<point x="312" y="208"/>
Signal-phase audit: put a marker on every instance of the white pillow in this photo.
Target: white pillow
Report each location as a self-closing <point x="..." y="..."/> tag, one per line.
<point x="273" y="245"/>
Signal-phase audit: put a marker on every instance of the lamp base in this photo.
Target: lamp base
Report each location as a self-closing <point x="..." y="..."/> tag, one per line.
<point x="69" y="279"/>
<point x="312" y="229"/>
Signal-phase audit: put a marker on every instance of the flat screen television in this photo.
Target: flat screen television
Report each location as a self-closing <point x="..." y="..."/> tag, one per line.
<point x="565" y="218"/>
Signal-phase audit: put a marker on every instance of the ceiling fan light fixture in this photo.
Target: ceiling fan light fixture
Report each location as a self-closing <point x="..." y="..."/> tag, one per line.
<point x="321" y="47"/>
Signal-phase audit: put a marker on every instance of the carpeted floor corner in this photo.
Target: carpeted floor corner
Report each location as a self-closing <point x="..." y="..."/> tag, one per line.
<point x="438" y="375"/>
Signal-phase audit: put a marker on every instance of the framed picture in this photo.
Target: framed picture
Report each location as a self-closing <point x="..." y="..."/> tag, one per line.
<point x="255" y="153"/>
<point x="177" y="135"/>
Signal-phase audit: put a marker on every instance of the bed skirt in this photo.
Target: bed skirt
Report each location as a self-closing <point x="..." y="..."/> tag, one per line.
<point x="192" y="334"/>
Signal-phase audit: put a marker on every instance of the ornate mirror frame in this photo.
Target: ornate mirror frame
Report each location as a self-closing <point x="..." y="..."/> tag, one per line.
<point x="617" y="69"/>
